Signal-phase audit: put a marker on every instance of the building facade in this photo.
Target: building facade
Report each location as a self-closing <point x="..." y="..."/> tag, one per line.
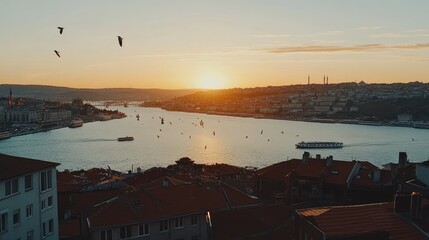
<point x="28" y="199"/>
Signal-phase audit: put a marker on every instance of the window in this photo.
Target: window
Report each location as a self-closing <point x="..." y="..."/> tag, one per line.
<point x="144" y="229"/>
<point x="51" y="226"/>
<point x="50" y="201"/>
<point x="178" y="222"/>
<point x="126" y="232"/>
<point x="163" y="225"/>
<point x="106" y="235"/>
<point x="28" y="182"/>
<point x="11" y="187"/>
<point x="43" y="204"/>
<point x="44" y="229"/>
<point x="16" y="217"/>
<point x="30" y="235"/>
<point x="3" y="222"/>
<point x="45" y="180"/>
<point x="29" y="211"/>
<point x="194" y="220"/>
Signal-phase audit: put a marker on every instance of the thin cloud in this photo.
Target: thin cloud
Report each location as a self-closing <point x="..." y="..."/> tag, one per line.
<point x="282" y="35"/>
<point x="410" y="34"/>
<point x="354" y="48"/>
<point x="391" y="35"/>
<point x="369" y="28"/>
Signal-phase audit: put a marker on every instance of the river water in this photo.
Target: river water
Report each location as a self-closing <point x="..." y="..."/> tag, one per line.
<point x="222" y="139"/>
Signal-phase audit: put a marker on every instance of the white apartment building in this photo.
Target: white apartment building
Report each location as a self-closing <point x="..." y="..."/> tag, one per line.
<point x="28" y="199"/>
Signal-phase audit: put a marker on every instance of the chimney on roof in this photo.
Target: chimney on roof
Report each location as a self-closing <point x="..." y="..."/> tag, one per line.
<point x="402" y="159"/>
<point x="416" y="206"/>
<point x="376" y="175"/>
<point x="402" y="202"/>
<point x="305" y="158"/>
<point x="165" y="182"/>
<point x="318" y="157"/>
<point x="329" y="160"/>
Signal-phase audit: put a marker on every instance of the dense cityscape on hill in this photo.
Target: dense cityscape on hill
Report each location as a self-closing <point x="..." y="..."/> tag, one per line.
<point x="348" y="102"/>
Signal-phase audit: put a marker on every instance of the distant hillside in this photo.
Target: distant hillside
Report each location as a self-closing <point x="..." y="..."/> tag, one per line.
<point x="64" y="93"/>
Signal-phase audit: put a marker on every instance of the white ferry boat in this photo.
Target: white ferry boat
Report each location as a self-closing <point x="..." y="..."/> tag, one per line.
<point x="319" y="145"/>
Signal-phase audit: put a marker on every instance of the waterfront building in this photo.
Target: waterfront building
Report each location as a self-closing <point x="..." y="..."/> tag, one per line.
<point x="28" y="199"/>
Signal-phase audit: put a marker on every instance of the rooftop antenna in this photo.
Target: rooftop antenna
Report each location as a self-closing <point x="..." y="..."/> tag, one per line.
<point x="324" y="81"/>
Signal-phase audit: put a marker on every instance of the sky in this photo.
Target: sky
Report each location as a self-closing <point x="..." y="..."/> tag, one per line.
<point x="176" y="44"/>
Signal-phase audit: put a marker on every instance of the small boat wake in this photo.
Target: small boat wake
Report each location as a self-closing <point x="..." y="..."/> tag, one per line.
<point x="98" y="140"/>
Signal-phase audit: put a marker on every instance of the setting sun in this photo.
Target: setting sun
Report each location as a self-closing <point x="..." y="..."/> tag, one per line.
<point x="211" y="80"/>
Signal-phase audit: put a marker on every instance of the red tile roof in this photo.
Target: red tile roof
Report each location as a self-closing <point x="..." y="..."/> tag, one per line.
<point x="279" y="170"/>
<point x="76" y="202"/>
<point x="343" y="221"/>
<point x="69" y="228"/>
<point x="67" y="187"/>
<point x="256" y="222"/>
<point x="11" y="166"/>
<point x="315" y="169"/>
<point x="147" y="176"/>
<point x="222" y="169"/>
<point x="337" y="173"/>
<point x="164" y="202"/>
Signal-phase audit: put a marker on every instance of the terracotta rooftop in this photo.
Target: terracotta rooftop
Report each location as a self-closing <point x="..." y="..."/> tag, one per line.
<point x="256" y="222"/>
<point x="76" y="202"/>
<point x="279" y="170"/>
<point x="220" y="169"/>
<point x="337" y="173"/>
<point x="69" y="228"/>
<point x="11" y="166"/>
<point x="343" y="221"/>
<point x="165" y="202"/>
<point x="147" y="176"/>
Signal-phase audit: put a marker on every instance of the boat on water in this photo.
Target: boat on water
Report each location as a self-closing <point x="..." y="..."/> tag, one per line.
<point x="319" y="145"/>
<point x="123" y="139"/>
<point x="5" y="135"/>
<point x="76" y="123"/>
<point x="421" y="125"/>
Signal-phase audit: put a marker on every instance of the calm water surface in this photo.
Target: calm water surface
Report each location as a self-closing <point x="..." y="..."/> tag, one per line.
<point x="95" y="144"/>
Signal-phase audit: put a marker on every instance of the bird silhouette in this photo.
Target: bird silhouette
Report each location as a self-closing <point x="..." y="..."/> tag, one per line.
<point x="120" y="40"/>
<point x="58" y="53"/>
<point x="61" y="29"/>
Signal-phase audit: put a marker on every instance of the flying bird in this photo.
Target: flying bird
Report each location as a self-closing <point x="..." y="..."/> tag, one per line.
<point x="120" y="40"/>
<point x="58" y="53"/>
<point x="61" y="29"/>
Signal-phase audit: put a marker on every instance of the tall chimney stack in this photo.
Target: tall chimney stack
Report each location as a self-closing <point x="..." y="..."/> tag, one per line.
<point x="416" y="206"/>
<point x="402" y="202"/>
<point x="305" y="158"/>
<point x="402" y="159"/>
<point x="329" y="161"/>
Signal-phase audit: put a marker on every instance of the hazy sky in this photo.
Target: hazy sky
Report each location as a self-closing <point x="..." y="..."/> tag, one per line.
<point x="222" y="43"/>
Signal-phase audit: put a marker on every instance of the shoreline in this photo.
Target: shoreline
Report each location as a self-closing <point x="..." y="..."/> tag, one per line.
<point x="37" y="127"/>
<point x="312" y="120"/>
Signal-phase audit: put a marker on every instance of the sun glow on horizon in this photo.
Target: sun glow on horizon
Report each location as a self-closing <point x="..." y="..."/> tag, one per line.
<point x="211" y="80"/>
